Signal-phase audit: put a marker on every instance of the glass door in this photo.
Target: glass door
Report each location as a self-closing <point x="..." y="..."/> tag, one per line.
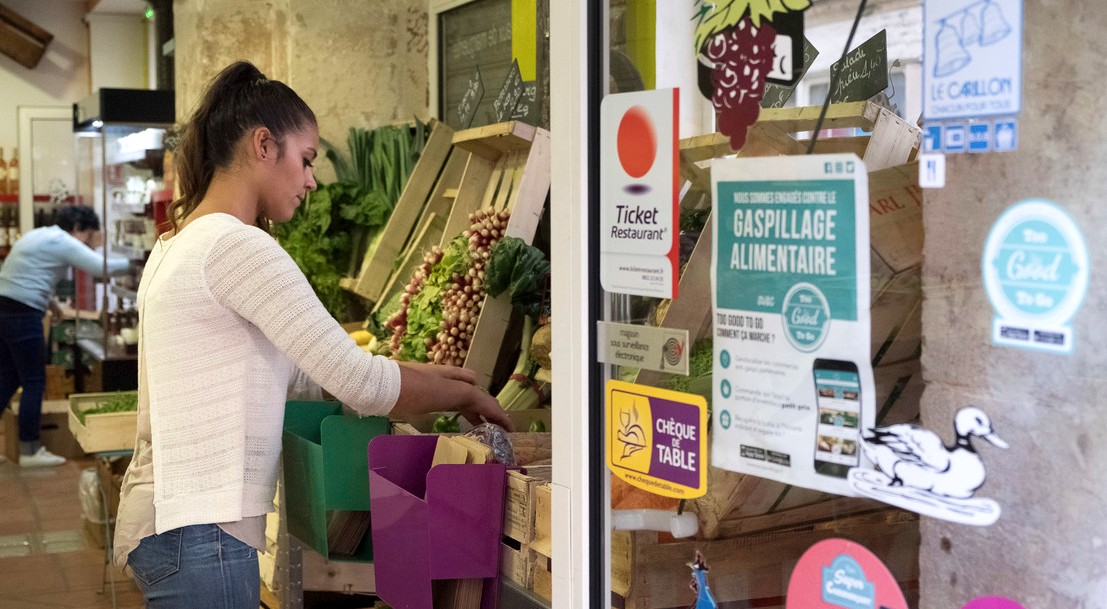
<point x="754" y="500"/>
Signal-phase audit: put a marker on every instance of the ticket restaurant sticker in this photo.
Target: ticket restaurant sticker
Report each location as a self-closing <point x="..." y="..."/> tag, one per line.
<point x="993" y="602"/>
<point x="639" y="193"/>
<point x="1035" y="269"/>
<point x="657" y="439"/>
<point x="841" y="574"/>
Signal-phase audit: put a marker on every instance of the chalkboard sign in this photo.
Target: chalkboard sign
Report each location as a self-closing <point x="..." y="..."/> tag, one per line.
<point x="787" y="49"/>
<point x="864" y="71"/>
<point x="467" y="107"/>
<point x="476" y="33"/>
<point x="526" y="110"/>
<point x="776" y="96"/>
<point x="509" y="94"/>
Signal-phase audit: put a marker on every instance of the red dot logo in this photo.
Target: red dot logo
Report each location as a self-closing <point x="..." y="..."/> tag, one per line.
<point x="636" y="142"/>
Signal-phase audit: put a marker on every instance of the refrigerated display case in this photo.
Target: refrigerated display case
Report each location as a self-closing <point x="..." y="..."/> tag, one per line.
<point x="120" y="150"/>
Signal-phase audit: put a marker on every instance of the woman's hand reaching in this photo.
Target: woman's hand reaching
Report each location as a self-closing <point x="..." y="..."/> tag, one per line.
<point x="452" y="373"/>
<point x="428" y="388"/>
<point x="483" y="408"/>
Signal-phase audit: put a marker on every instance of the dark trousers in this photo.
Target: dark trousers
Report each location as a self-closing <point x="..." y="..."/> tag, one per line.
<point x="23" y="364"/>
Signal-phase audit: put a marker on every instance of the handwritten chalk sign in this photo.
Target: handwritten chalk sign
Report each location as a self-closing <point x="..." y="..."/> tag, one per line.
<point x="526" y="110"/>
<point x="509" y="94"/>
<point x="776" y="96"/>
<point x="467" y="107"/>
<point x="864" y="71"/>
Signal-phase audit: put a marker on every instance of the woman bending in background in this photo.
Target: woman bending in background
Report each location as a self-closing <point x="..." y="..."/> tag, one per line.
<point x="32" y="271"/>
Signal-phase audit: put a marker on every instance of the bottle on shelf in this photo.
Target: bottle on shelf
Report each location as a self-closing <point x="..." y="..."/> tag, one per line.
<point x="4" y="226"/>
<point x="13" y="224"/>
<point x="3" y="174"/>
<point x="13" y="172"/>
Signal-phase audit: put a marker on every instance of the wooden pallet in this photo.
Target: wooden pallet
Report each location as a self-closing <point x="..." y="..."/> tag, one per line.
<point x="896" y="239"/>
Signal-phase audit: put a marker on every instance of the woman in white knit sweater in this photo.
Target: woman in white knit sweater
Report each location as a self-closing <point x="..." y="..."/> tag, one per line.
<point x="229" y="328"/>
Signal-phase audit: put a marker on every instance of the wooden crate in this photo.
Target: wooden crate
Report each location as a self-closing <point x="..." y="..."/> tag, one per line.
<point x="325" y="575"/>
<point x="378" y="266"/>
<point x="752" y="570"/>
<point x="521" y="501"/>
<point x="541" y="581"/>
<point x="101" y="432"/>
<point x="508" y="168"/>
<point x="59" y="383"/>
<point x="543" y="538"/>
<point x="430" y="227"/>
<point x="515" y="563"/>
<point x="505" y="166"/>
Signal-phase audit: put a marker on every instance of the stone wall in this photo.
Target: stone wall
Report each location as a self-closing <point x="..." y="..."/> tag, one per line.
<point x="1047" y="549"/>
<point x="356" y="63"/>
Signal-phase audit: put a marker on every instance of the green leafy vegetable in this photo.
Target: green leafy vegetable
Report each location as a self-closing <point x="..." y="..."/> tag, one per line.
<point x="446" y="424"/>
<point x="520" y="269"/>
<point x="120" y="402"/>
<point x="424" y="313"/>
<point x="330" y="232"/>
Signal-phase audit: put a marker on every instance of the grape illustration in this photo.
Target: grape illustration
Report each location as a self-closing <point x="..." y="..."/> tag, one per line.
<point x="740" y="58"/>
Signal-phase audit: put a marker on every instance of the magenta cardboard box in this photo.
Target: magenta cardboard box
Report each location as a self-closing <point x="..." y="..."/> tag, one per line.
<point x="431" y="523"/>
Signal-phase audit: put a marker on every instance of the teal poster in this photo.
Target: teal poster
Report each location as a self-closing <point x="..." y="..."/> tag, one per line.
<point x="1035" y="269"/>
<point x="790" y="283"/>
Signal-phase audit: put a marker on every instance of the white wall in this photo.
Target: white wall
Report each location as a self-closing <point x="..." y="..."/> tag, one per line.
<point x="119" y="51"/>
<point x="61" y="78"/>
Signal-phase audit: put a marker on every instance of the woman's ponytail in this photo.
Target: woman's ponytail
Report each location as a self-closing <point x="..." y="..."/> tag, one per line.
<point x="237" y="100"/>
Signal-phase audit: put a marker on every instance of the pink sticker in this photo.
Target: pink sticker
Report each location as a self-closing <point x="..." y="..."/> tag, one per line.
<point x="993" y="602"/>
<point x="841" y="574"/>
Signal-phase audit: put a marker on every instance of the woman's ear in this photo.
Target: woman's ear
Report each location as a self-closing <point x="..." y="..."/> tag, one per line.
<point x="263" y="144"/>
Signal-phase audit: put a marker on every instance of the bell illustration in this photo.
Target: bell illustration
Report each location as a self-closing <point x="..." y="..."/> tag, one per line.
<point x="970" y="29"/>
<point x="950" y="55"/>
<point x="994" y="26"/>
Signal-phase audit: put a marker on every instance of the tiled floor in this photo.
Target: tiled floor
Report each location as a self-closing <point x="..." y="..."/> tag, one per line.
<point x="47" y="558"/>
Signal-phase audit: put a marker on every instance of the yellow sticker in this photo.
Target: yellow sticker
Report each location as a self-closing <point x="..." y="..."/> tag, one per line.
<point x="657" y="439"/>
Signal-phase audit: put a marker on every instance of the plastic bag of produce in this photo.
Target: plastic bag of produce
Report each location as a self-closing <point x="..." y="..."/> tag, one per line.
<point x="92" y="502"/>
<point x="495" y="437"/>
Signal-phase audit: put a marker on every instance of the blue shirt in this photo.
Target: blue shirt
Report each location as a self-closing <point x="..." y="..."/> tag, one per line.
<point x="41" y="259"/>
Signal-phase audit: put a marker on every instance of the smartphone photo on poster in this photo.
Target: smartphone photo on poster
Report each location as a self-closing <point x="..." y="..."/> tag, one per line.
<point x="838" y="412"/>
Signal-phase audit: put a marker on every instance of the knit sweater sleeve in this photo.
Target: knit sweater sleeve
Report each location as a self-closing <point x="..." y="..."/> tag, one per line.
<point x="248" y="272"/>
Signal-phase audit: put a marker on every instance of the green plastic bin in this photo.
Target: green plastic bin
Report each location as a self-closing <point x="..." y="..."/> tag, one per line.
<point x="325" y="469"/>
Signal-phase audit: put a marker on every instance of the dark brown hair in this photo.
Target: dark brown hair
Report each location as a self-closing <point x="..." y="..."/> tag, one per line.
<point x="238" y="100"/>
<point x="77" y="218"/>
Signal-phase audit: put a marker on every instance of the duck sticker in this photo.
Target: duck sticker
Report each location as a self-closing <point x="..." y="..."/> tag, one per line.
<point x="917" y="471"/>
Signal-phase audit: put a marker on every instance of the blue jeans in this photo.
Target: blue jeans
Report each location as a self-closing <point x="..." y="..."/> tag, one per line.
<point x="199" y="566"/>
<point x="23" y="364"/>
